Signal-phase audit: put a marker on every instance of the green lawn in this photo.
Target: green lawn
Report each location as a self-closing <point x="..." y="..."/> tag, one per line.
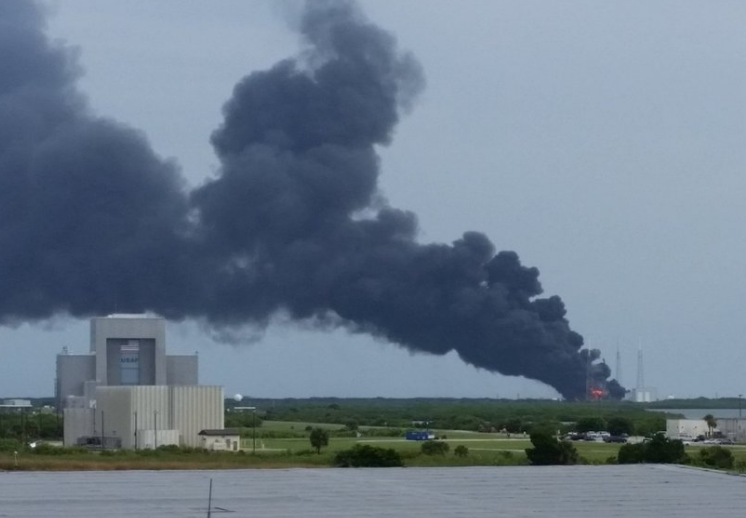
<point x="286" y="444"/>
<point x="484" y="448"/>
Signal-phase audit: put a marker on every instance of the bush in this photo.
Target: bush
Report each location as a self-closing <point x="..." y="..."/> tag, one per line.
<point x="590" y="424"/>
<point x="46" y="449"/>
<point x="620" y="426"/>
<point x="10" y="445"/>
<point x="435" y="448"/>
<point x="716" y="457"/>
<point x="661" y="450"/>
<point x="548" y="450"/>
<point x="657" y="450"/>
<point x="461" y="451"/>
<point x="650" y="426"/>
<point x="366" y="456"/>
<point x="180" y="450"/>
<point x="304" y="453"/>
<point x="631" y="454"/>
<point x="383" y="432"/>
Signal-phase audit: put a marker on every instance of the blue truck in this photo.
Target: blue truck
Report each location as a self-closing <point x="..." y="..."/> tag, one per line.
<point x="420" y="435"/>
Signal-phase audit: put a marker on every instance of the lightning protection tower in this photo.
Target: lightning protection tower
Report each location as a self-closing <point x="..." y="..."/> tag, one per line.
<point x="618" y="373"/>
<point x="640" y="373"/>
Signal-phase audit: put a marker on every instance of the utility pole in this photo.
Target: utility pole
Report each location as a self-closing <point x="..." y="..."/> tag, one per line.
<point x="155" y="434"/>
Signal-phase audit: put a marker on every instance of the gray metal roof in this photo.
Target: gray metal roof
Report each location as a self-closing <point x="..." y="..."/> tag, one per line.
<point x="220" y="432"/>
<point x="558" y="492"/>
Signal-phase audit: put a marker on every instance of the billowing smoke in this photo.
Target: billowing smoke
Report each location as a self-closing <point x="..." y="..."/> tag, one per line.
<point x="93" y="221"/>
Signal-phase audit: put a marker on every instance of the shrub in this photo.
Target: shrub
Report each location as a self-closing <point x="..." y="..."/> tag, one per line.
<point x="435" y="448"/>
<point x="46" y="449"/>
<point x="657" y="450"/>
<point x="716" y="457"/>
<point x="631" y="454"/>
<point x="506" y="455"/>
<point x="661" y="450"/>
<point x="180" y="450"/>
<point x="10" y="445"/>
<point x="548" y="450"/>
<point x="590" y="424"/>
<point x="384" y="432"/>
<point x="366" y="456"/>
<point x="461" y="451"/>
<point x="620" y="426"/>
<point x="304" y="453"/>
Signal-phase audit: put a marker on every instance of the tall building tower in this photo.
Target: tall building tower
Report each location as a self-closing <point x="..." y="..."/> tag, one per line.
<point x="128" y="393"/>
<point x="618" y="373"/>
<point x="641" y="393"/>
<point x="125" y="350"/>
<point x="640" y="387"/>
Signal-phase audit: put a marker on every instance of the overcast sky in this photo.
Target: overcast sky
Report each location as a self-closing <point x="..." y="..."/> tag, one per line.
<point x="602" y="141"/>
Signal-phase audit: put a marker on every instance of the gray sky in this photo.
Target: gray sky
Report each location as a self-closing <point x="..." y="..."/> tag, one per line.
<point x="599" y="140"/>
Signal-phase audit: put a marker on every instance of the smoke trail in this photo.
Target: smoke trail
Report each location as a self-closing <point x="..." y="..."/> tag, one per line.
<point x="91" y="220"/>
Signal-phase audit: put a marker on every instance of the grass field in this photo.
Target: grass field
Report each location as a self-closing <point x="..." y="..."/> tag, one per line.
<point x="485" y="449"/>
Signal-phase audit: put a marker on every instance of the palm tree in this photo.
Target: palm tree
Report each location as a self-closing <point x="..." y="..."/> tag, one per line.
<point x="711" y="423"/>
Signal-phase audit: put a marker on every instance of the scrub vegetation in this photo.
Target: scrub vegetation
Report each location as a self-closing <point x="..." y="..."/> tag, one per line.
<point x="371" y="432"/>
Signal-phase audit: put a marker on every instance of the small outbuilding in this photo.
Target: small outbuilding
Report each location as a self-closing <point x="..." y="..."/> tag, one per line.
<point x="220" y="440"/>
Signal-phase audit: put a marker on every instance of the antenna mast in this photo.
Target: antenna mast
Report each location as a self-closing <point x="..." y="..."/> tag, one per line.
<point x="209" y="502"/>
<point x="640" y="374"/>
<point x="618" y="364"/>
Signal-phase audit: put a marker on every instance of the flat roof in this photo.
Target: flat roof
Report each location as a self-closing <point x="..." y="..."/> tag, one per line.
<point x="220" y="432"/>
<point x="637" y="491"/>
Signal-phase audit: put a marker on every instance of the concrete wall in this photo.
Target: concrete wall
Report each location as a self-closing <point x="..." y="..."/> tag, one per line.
<point x="127" y="409"/>
<point x="123" y="327"/>
<point x="182" y="370"/>
<point x="686" y="428"/>
<point x="733" y="428"/>
<point x="150" y="440"/>
<point x="81" y="375"/>
<point x="78" y="422"/>
<point x="196" y="408"/>
<point x="221" y="442"/>
<point x="188" y="409"/>
<point x="147" y="360"/>
<point x="72" y="372"/>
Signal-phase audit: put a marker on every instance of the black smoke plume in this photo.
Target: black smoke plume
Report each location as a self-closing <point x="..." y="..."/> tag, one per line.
<point x="93" y="221"/>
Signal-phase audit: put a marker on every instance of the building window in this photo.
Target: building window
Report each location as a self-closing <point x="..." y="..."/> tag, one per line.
<point x="129" y="359"/>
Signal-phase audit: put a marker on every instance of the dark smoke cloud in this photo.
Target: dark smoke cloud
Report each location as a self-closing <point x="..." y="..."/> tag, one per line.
<point x="89" y="217"/>
<point x="92" y="221"/>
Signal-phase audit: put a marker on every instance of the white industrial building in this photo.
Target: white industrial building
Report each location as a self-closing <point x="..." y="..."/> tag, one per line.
<point x="220" y="440"/>
<point x="127" y="393"/>
<point x="732" y="428"/>
<point x="641" y="395"/>
<point x="686" y="429"/>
